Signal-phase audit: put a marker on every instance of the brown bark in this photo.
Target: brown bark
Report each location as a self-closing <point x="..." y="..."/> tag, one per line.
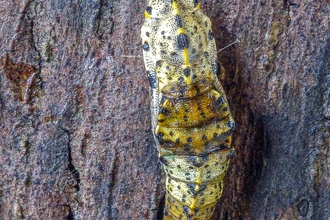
<point x="75" y="136"/>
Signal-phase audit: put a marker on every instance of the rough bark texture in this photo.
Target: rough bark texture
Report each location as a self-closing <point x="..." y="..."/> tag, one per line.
<point x="75" y="137"/>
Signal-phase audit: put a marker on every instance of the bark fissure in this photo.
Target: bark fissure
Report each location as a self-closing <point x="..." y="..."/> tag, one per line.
<point x="99" y="16"/>
<point x="113" y="174"/>
<point x="161" y="207"/>
<point x="39" y="57"/>
<point x="324" y="80"/>
<point x="70" y="216"/>
<point x="75" y="173"/>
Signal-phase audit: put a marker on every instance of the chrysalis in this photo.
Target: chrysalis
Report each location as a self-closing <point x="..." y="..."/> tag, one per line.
<point x="191" y="120"/>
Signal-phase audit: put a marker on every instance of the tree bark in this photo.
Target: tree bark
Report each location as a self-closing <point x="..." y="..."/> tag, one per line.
<point x="75" y="129"/>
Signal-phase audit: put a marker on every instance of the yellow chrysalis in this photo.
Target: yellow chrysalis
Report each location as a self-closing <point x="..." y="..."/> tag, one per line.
<point x="191" y="120"/>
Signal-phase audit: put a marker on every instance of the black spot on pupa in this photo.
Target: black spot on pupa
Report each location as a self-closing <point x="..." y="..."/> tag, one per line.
<point x="192" y="189"/>
<point x="178" y="21"/>
<point x="231" y="124"/>
<point x="182" y="41"/>
<point x="225" y="109"/>
<point x="149" y="10"/>
<point x="165" y="212"/>
<point x="202" y="187"/>
<point x="195" y="3"/>
<point x="163" y="32"/>
<point x="230" y="155"/>
<point x="173" y="54"/>
<point x="163" y="161"/>
<point x="210" y="35"/>
<point x="171" y="133"/>
<point x="163" y="100"/>
<point x="215" y="68"/>
<point x="206" y="54"/>
<point x="165" y="143"/>
<point x="206" y="23"/>
<point x="193" y="159"/>
<point x="193" y="50"/>
<point x="204" y="137"/>
<point x="181" y="93"/>
<point x="189" y="140"/>
<point x="145" y="46"/>
<point x="186" y="72"/>
<point x="186" y="209"/>
<point x="147" y="34"/>
<point x="187" y="147"/>
<point x="163" y="111"/>
<point x="195" y="29"/>
<point x="198" y="91"/>
<point x="152" y="81"/>
<point x="159" y="63"/>
<point x="219" y="101"/>
<point x="161" y="120"/>
<point x="218" y="126"/>
<point x="177" y="141"/>
<point x="215" y="135"/>
<point x="159" y="136"/>
<point x="185" y="118"/>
